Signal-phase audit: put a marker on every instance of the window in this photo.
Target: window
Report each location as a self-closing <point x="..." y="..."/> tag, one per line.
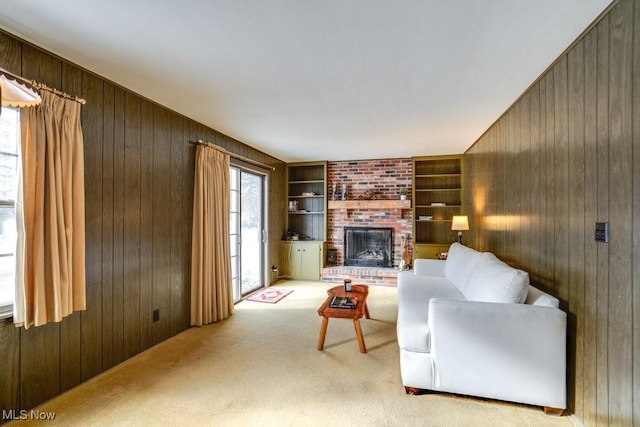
<point x="9" y="143"/>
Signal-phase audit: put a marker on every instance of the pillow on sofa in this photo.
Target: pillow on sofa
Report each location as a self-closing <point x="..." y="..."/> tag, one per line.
<point x="494" y="281"/>
<point x="460" y="263"/>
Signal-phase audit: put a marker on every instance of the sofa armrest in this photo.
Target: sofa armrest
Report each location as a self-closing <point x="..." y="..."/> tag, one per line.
<point x="429" y="267"/>
<point x="512" y="352"/>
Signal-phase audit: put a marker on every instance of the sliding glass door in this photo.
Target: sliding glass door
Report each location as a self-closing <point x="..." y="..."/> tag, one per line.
<point x="247" y="231"/>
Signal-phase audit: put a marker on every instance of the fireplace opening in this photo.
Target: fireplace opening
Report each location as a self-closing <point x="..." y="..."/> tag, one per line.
<point x="368" y="246"/>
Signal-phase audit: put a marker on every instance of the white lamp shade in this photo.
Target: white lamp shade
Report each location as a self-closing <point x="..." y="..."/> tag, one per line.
<point x="460" y="222"/>
<point x="16" y="93"/>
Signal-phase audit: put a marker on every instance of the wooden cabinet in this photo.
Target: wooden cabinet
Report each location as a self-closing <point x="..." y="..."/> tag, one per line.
<point x="437" y="197"/>
<point x="303" y="260"/>
<point x="307" y="201"/>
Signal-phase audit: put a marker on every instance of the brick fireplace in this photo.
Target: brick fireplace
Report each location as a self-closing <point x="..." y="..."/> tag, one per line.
<point x="384" y="177"/>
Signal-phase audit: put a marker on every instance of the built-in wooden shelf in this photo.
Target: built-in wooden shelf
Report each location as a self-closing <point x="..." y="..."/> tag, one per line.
<point x="369" y="204"/>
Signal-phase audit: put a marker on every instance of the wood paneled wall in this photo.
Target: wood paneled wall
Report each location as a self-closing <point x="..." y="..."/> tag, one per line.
<point x="139" y="169"/>
<point x="565" y="155"/>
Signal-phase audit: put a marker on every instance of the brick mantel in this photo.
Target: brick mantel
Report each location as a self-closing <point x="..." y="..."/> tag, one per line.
<point x="384" y="177"/>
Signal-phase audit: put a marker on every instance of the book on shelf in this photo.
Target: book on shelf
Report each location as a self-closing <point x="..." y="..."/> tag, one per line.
<point x="343" y="302"/>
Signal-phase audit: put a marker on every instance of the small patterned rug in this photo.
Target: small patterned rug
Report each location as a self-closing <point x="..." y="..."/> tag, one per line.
<point x="269" y="295"/>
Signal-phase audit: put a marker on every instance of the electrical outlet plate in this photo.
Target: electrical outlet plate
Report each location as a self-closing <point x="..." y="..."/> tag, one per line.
<point x="602" y="232"/>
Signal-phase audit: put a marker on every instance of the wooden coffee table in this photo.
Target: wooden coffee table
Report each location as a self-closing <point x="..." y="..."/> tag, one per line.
<point x="358" y="291"/>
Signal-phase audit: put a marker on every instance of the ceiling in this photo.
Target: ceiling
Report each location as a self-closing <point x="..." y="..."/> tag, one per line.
<point x="317" y="79"/>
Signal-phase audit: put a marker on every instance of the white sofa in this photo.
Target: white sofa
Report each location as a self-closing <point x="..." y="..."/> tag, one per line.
<point x="473" y="325"/>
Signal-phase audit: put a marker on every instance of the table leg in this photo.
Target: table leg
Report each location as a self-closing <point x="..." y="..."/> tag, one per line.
<point x="366" y="311"/>
<point x="356" y="323"/>
<point x="323" y="333"/>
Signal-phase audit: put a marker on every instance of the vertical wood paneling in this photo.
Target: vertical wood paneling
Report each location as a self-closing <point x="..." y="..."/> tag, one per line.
<point x="526" y="198"/>
<point x="620" y="214"/>
<point x="118" y="226"/>
<point x="588" y="410"/>
<point x="576" y="229"/>
<point x="178" y="141"/>
<point x="535" y="189"/>
<point x="146" y="224"/>
<point x="583" y="134"/>
<point x="11" y="54"/>
<point x="91" y="318"/>
<point x="131" y="249"/>
<point x="107" y="227"/>
<point x="635" y="252"/>
<point x="39" y="364"/>
<point x="9" y="366"/>
<point x="190" y="159"/>
<point x="549" y="225"/>
<point x="561" y="180"/>
<point x="139" y="191"/>
<point x="162" y="222"/>
<point x="602" y="120"/>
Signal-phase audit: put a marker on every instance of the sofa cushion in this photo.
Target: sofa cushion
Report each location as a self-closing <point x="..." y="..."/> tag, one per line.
<point x="414" y="293"/>
<point x="494" y="281"/>
<point x="460" y="264"/>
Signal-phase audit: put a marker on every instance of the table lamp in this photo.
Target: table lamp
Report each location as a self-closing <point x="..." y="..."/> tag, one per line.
<point x="460" y="223"/>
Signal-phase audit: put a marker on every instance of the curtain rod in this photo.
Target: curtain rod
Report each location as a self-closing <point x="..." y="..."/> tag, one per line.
<point x="234" y="155"/>
<point x="42" y="86"/>
<point x="60" y="93"/>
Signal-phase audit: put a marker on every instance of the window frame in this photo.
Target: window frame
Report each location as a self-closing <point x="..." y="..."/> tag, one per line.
<point x="6" y="309"/>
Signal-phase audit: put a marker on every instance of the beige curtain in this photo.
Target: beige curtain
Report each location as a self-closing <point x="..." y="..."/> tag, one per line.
<point x="211" y="292"/>
<point x="50" y="258"/>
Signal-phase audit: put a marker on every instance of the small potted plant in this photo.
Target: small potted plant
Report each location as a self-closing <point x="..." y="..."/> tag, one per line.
<point x="403" y="193"/>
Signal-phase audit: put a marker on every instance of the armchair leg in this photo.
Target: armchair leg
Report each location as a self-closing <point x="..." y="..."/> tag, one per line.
<point x="556" y="412"/>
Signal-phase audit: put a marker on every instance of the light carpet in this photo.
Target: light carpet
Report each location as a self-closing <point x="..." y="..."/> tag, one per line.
<point x="261" y="367"/>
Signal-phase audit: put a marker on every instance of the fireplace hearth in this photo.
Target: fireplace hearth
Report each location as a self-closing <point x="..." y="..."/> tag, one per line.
<point x="368" y="246"/>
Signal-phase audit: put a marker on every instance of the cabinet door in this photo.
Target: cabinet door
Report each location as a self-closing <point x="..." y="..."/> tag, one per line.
<point x="310" y="262"/>
<point x="302" y="260"/>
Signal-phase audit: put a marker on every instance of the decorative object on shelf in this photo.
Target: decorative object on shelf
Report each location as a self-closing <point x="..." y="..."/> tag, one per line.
<point x="334" y="191"/>
<point x="438" y="204"/>
<point x="425" y="217"/>
<point x="309" y="194"/>
<point x="344" y="191"/>
<point x="293" y="206"/>
<point x="442" y="256"/>
<point x="460" y="223"/>
<point x="367" y="195"/>
<point x="403" y="193"/>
